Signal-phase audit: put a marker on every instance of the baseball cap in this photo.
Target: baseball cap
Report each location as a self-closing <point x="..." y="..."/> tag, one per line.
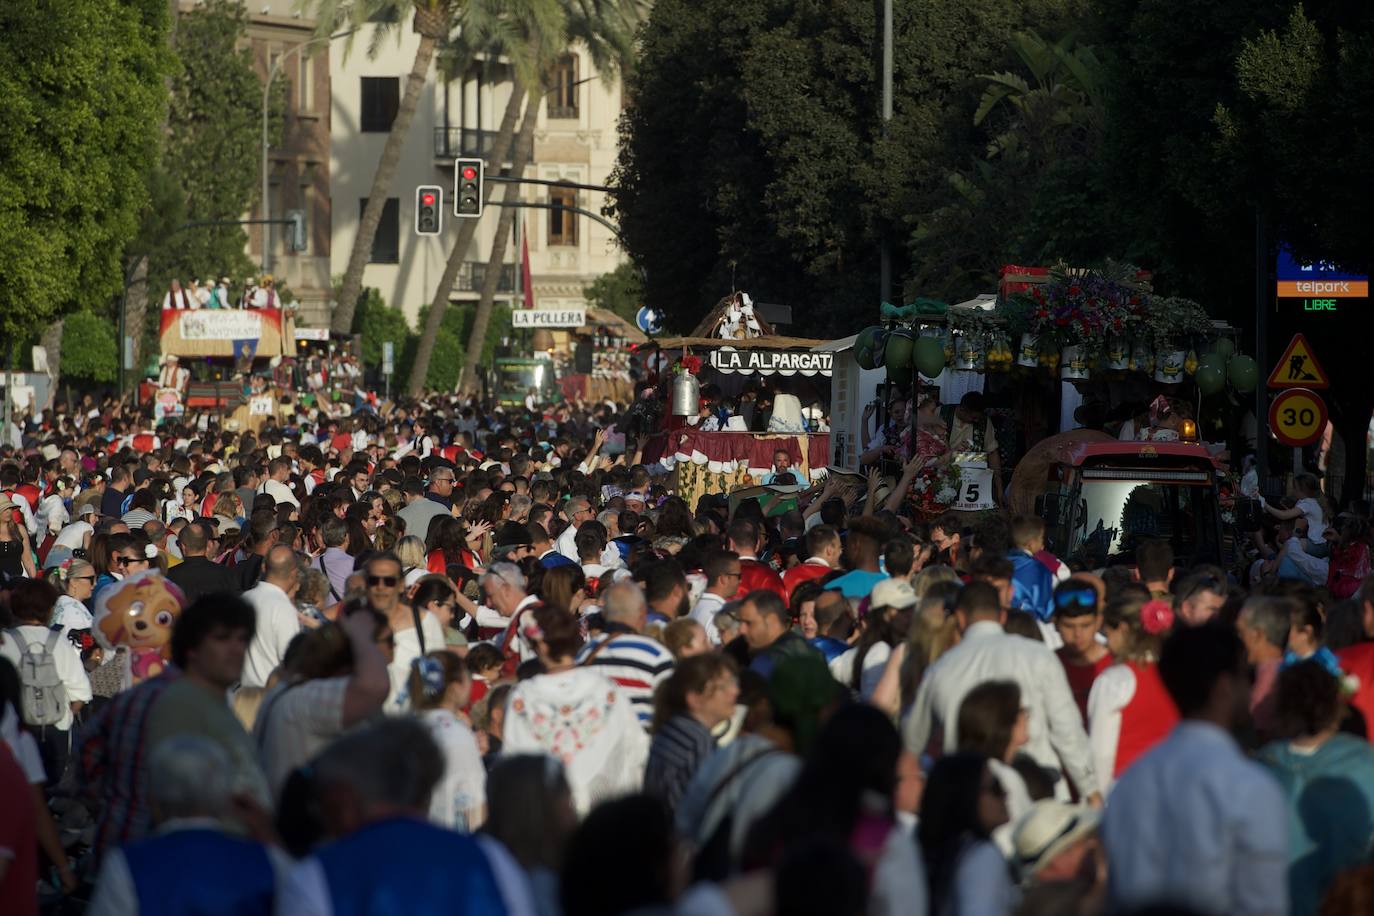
<point x="1049" y="828"/>
<point x="894" y="593"/>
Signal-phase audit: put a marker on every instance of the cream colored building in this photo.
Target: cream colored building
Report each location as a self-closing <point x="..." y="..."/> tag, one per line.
<point x="575" y="140"/>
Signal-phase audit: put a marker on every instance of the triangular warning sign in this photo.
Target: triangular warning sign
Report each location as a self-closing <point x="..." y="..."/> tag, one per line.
<point x="1298" y="367"/>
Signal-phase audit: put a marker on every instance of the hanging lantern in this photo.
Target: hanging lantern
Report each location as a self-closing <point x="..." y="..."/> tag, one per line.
<point x="969" y="354"/>
<point x="1243" y="372"/>
<point x="1117" y="357"/>
<point x="686" y="395"/>
<point x="1073" y="364"/>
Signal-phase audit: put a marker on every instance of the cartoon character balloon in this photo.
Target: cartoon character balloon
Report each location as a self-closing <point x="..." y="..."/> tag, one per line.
<point x="137" y="614"/>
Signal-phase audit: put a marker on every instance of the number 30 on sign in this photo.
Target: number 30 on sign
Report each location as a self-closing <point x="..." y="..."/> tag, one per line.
<point x="1297" y="417"/>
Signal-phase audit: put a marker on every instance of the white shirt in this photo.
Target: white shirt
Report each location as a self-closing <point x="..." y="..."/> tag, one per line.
<point x="704" y="612"/>
<point x="1316" y="519"/>
<point x="461" y="795"/>
<point x="1196" y="823"/>
<point x="1111" y="692"/>
<point x="986" y="653"/>
<point x="295" y="722"/>
<point x="279" y="492"/>
<point x="277" y="625"/>
<point x="567" y="545"/>
<point x="70" y="614"/>
<point x="65" y="657"/>
<point x="407" y="649"/>
<point x="74" y="535"/>
<point x="875" y="663"/>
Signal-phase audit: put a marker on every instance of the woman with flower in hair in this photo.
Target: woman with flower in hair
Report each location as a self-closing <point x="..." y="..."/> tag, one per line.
<point x="575" y="714"/>
<point x="1128" y="708"/>
<point x="75" y="582"/>
<point x="439" y="689"/>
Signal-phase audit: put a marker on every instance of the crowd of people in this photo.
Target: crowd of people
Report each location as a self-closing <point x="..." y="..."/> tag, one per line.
<point x="439" y="657"/>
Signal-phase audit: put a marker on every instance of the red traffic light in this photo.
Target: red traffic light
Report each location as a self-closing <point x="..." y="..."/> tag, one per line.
<point x="427" y="199"/>
<point x="469" y="173"/>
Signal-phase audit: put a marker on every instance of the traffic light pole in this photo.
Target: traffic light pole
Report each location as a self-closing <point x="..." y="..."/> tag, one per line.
<point x="615" y="230"/>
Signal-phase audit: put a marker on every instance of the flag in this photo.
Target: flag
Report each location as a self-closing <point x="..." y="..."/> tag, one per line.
<point x="525" y="270"/>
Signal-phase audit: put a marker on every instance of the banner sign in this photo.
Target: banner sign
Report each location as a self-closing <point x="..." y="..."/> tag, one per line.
<point x="548" y="318"/>
<point x="220" y="324"/>
<point x="767" y="362"/>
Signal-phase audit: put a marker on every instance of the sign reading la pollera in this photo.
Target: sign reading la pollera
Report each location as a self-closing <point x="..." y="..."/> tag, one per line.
<point x="768" y="362"/>
<point x="548" y="318"/>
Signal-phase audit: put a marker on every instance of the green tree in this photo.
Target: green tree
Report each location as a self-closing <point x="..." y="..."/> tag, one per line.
<point x="432" y="20"/>
<point x="377" y="322"/>
<point x="89" y="350"/>
<point x="763" y="165"/>
<point x="81" y="96"/>
<point x="620" y="291"/>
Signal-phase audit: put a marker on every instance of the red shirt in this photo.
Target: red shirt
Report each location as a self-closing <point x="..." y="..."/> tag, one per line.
<point x="1358" y="661"/>
<point x="802" y="572"/>
<point x="753" y="574"/>
<point x="1146" y="719"/>
<point x="18" y="838"/>
<point x="1081" y="679"/>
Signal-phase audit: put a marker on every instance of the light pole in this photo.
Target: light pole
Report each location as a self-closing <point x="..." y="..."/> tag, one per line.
<point x="272" y="72"/>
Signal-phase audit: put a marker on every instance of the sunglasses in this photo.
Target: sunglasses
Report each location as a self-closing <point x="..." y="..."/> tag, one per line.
<point x="125" y="561"/>
<point x="388" y="581"/>
<point x="83" y="578"/>
<point x="1077" y="597"/>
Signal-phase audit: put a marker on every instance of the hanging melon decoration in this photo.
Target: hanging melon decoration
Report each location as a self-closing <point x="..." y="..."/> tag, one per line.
<point x="929" y="356"/>
<point x="868" y="347"/>
<point x="897" y="351"/>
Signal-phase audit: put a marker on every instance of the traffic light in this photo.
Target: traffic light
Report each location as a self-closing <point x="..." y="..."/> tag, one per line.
<point x="429" y="209"/>
<point x="467" y="188"/>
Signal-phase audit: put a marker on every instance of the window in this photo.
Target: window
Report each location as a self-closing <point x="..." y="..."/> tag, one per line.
<point x="381" y="98"/>
<point x="562" y="221"/>
<point x="563" y="99"/>
<point x="305" y="81"/>
<point x="386" y="244"/>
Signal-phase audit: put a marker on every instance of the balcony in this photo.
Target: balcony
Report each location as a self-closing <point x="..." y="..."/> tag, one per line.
<point x="454" y="142"/>
<point x="472" y="273"/>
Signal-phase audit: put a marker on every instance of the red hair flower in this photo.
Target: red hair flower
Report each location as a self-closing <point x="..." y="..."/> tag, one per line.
<point x="1157" y="616"/>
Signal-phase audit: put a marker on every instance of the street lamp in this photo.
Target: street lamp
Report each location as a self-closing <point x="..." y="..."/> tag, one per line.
<point x="266" y="91"/>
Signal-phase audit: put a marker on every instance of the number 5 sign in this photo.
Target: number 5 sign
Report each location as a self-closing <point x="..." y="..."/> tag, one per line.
<point x="1297" y="417"/>
<point x="975" y="489"/>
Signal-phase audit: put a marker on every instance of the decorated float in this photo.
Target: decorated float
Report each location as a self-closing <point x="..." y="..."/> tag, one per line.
<point x="1053" y="349"/>
<point x="206" y="353"/>
<point x="720" y="381"/>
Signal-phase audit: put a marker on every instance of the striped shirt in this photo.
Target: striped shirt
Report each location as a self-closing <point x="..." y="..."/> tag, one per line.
<point x="636" y="663"/>
<point x="679" y="747"/>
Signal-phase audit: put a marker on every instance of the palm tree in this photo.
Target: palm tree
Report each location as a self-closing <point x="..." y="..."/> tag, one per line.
<point x="432" y="20"/>
<point x="606" y="28"/>
<point x="515" y="30"/>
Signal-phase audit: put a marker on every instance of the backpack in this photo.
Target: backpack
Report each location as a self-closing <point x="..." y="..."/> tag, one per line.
<point x="43" y="698"/>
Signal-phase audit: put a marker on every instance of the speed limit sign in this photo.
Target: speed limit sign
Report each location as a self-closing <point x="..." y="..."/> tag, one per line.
<point x="1297" y="417"/>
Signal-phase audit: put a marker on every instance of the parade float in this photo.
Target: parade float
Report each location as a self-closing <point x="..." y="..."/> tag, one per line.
<point x="207" y="353"/>
<point x="1053" y="349"/>
<point x="736" y="357"/>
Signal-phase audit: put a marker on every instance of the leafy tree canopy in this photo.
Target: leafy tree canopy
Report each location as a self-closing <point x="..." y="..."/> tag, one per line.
<point x="89" y="351"/>
<point x="620" y="291"/>
<point x="81" y="97"/>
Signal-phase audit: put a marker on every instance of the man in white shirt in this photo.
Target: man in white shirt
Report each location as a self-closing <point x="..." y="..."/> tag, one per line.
<point x="276" y="486"/>
<point x="1194" y="823"/>
<point x="722" y="571"/>
<point x="987" y="653"/>
<point x="506" y="600"/>
<point x="576" y="510"/>
<point x="277" y="621"/>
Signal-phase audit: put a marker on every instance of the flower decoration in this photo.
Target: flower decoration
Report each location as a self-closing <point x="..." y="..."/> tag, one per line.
<point x="687" y="364"/>
<point x="934" y="488"/>
<point x="1157" y="616"/>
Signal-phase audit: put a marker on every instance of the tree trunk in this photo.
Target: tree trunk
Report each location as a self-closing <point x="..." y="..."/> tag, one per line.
<point x="520" y="159"/>
<point x="135" y="316"/>
<point x="500" y="152"/>
<point x="51" y="342"/>
<point x="342" y="322"/>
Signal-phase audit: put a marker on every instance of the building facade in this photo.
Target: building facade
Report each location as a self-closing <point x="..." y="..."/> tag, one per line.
<point x="298" y="165"/>
<point x="457" y="116"/>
